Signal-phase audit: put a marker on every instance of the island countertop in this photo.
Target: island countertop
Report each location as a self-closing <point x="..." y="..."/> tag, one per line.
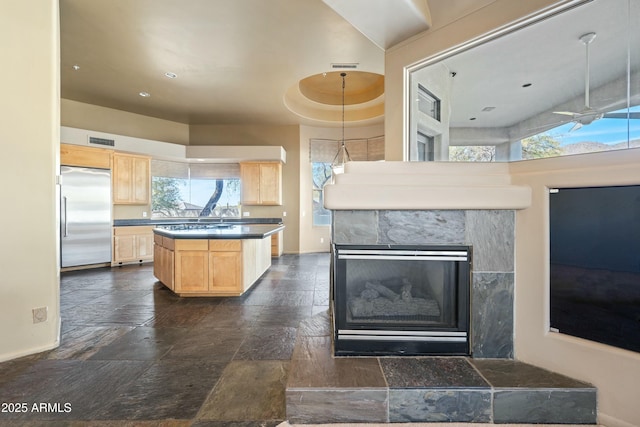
<point x="218" y="231"/>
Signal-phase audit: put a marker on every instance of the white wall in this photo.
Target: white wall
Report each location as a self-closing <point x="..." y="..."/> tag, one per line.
<point x="30" y="113"/>
<point x="613" y="371"/>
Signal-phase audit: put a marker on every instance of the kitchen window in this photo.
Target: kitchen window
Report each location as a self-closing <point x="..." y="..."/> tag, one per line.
<point x="199" y="190"/>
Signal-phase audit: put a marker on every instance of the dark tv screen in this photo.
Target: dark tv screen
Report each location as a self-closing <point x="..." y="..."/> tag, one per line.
<point x="595" y="264"/>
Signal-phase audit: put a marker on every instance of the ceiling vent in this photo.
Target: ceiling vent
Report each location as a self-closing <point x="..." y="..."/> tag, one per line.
<point x="102" y="141"/>
<point x="347" y="65"/>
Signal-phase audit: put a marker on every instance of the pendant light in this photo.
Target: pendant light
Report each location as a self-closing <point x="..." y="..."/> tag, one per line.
<point x="342" y="156"/>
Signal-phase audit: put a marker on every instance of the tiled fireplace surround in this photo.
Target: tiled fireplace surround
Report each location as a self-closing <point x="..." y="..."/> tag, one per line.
<point x="491" y="235"/>
<point x="433" y="203"/>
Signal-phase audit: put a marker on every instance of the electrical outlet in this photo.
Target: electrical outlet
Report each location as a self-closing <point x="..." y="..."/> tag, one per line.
<point x="322" y="240"/>
<point x="144" y="214"/>
<point x="246" y="213"/>
<point x="39" y="314"/>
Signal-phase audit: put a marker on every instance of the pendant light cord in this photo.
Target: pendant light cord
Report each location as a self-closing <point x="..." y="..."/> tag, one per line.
<point x="343" y="149"/>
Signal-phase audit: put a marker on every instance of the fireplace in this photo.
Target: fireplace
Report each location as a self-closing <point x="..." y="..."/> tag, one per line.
<point x="401" y="299"/>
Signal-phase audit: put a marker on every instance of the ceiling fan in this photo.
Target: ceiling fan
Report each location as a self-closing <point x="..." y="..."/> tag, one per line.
<point x="588" y="114"/>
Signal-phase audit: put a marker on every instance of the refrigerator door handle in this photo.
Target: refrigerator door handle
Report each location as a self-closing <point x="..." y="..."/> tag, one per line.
<point x="65" y="229"/>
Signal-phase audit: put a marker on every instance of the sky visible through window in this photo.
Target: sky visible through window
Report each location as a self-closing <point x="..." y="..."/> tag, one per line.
<point x="202" y="189"/>
<point x="605" y="131"/>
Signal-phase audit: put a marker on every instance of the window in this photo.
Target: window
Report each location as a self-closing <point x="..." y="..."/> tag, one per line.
<point x="321" y="174"/>
<point x="611" y="132"/>
<point x="202" y="190"/>
<point x="322" y="153"/>
<point x="472" y="153"/>
<point x="428" y="103"/>
<point x="502" y="92"/>
<point x="425" y="147"/>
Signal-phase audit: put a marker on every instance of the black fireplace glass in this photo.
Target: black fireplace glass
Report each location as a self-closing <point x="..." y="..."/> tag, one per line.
<point x="405" y="299"/>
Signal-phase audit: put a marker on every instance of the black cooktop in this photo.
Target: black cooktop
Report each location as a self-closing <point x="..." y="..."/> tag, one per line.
<point x="187" y="226"/>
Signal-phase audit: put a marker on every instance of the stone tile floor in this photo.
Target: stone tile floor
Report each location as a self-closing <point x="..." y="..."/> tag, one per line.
<point x="134" y="353"/>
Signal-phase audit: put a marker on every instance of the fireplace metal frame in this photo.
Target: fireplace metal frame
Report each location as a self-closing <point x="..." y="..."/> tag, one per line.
<point x="352" y="338"/>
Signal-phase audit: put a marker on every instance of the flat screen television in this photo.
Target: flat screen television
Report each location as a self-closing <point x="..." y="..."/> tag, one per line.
<point x="595" y="264"/>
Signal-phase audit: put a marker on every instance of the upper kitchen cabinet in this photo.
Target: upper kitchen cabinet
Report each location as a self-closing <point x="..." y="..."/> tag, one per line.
<point x="261" y="183"/>
<point x="89" y="157"/>
<point x="131" y="179"/>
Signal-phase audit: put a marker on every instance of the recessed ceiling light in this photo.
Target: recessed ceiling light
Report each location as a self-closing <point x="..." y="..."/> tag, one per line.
<point x="526" y="85"/>
<point x="487" y="109"/>
<point x="472" y="118"/>
<point x="170" y="75"/>
<point x="145" y="94"/>
<point x="76" y="67"/>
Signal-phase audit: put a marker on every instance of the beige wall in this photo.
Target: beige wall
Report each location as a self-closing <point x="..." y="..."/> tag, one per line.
<point x="318" y="239"/>
<point x="87" y="116"/>
<point x="285" y="136"/>
<point x="613" y="371"/>
<point x="29" y="131"/>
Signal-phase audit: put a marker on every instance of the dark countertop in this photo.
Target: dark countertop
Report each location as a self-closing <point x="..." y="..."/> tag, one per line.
<point x="173" y="221"/>
<point x="225" y="231"/>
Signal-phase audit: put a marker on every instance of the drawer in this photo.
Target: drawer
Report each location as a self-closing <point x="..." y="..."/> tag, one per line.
<point x="191" y="245"/>
<point x="168" y="243"/>
<point x="225" y="245"/>
<point x="157" y="239"/>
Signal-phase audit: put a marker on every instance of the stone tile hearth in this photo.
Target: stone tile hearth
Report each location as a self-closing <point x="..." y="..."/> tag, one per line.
<point x="326" y="389"/>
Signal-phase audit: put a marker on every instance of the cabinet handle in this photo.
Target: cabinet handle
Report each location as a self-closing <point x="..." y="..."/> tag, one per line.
<point x="64" y="210"/>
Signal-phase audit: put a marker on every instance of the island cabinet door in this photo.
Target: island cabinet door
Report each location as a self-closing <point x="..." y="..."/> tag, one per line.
<point x="157" y="262"/>
<point x="191" y="269"/>
<point x="163" y="265"/>
<point x="225" y="272"/>
<point x="167" y="268"/>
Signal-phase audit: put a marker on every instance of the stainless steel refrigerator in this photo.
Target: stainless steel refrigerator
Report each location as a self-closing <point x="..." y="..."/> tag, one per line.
<point x="85" y="217"/>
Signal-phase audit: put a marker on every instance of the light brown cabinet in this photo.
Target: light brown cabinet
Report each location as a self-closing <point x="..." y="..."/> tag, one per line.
<point x="164" y="261"/>
<point x="131" y="178"/>
<point x="201" y="267"/>
<point x="225" y="266"/>
<point x="90" y="157"/>
<point x="261" y="183"/>
<point x="276" y="244"/>
<point x="191" y="266"/>
<point x="132" y="244"/>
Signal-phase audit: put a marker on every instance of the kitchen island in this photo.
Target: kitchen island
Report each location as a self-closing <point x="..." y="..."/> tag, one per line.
<point x="212" y="259"/>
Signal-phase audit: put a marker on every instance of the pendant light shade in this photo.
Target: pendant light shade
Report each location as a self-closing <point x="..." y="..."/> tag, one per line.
<point x="342" y="156"/>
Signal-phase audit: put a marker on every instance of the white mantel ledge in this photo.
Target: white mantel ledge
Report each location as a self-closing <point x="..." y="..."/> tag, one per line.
<point x="411" y="186"/>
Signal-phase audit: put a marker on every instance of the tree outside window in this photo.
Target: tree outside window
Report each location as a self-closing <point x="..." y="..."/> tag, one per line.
<point x="321" y="174"/>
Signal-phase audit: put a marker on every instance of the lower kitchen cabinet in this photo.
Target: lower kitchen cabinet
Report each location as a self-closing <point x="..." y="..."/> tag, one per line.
<point x="191" y="266"/>
<point x="276" y="244"/>
<point x="132" y="245"/>
<point x="225" y="272"/>
<point x="164" y="261"/>
<point x="215" y="267"/>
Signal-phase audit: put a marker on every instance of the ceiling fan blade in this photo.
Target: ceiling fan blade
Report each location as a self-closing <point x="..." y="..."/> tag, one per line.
<point x="634" y="115"/>
<point x="566" y="113"/>
<point x="544" y="128"/>
<point x="577" y="126"/>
